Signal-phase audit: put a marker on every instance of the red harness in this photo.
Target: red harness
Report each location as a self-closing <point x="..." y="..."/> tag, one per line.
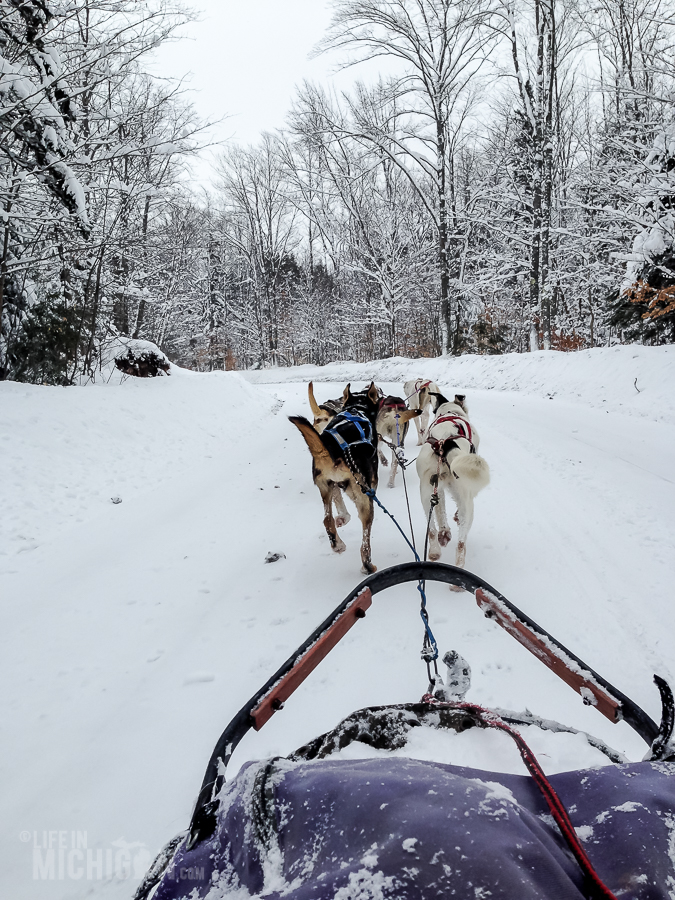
<point x="419" y="385"/>
<point x="392" y="403"/>
<point x="440" y="447"/>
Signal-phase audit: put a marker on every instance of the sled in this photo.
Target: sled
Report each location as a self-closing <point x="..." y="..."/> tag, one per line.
<point x="315" y="827"/>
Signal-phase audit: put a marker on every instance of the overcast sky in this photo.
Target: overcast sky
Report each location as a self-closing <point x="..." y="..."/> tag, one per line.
<point x="246" y="57"/>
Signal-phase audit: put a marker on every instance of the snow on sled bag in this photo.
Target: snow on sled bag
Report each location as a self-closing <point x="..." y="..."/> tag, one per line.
<point x="408" y="829"/>
<point x="309" y="827"/>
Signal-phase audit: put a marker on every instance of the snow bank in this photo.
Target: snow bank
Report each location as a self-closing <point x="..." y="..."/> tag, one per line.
<point x="603" y="378"/>
<point x="66" y="453"/>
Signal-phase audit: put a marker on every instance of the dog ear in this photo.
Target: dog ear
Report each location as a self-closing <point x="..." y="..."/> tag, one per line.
<point x="437" y="399"/>
<point x="346" y="394"/>
<point x="460" y="400"/>
<point x="316" y="410"/>
<point x="373" y="393"/>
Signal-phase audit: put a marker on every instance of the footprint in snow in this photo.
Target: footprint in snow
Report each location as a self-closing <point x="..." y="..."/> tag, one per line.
<point x="198" y="677"/>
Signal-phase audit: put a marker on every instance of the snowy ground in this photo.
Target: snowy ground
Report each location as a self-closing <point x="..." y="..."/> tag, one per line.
<point x="133" y="631"/>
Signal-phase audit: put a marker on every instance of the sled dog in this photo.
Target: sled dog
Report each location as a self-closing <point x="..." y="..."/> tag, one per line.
<point x="418" y="396"/>
<point x="392" y="426"/>
<point x="322" y="412"/>
<point x="344" y="457"/>
<point x="449" y="454"/>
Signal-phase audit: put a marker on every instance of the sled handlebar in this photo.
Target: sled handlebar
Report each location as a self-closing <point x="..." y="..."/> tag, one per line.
<point x="594" y="689"/>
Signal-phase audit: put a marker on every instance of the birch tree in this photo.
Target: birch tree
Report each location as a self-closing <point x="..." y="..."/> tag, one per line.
<point x="361" y="203"/>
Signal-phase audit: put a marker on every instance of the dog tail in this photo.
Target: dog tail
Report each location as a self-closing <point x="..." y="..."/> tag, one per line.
<point x="316" y="409"/>
<point x="312" y="438"/>
<point x="471" y="469"/>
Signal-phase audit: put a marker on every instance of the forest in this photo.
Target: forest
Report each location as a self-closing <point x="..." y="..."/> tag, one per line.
<point x="506" y="185"/>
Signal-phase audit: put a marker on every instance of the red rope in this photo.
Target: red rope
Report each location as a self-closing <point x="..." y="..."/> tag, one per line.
<point x="555" y="804"/>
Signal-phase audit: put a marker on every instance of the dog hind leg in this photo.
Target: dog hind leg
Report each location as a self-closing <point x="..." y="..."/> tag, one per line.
<point x="424" y="425"/>
<point x="421" y="428"/>
<point x="327" y="489"/>
<point x="342" y="515"/>
<point x="444" y="533"/>
<point x="465" y="516"/>
<point x="364" y="507"/>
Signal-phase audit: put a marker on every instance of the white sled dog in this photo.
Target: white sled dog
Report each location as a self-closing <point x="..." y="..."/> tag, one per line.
<point x="449" y="454"/>
<point x="418" y="396"/>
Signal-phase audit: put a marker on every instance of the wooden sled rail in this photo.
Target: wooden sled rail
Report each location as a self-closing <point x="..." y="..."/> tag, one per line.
<point x="306" y="664"/>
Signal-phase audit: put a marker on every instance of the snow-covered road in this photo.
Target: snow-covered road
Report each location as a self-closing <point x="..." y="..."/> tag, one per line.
<point x="131" y="636"/>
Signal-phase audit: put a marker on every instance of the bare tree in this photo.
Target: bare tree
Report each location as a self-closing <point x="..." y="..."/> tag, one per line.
<point x="259" y="221"/>
<point x="440" y="46"/>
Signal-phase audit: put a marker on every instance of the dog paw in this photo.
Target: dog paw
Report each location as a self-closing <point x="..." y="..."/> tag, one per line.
<point x="368" y="568"/>
<point x="434" y="555"/>
<point x="456" y="588"/>
<point x="339" y="547"/>
<point x="444" y="537"/>
<point x="341" y="520"/>
<point x="391" y="484"/>
<point x="385" y="462"/>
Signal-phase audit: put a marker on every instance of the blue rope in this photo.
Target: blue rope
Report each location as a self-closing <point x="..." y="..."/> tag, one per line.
<point x="420" y="587"/>
<point x="371" y="493"/>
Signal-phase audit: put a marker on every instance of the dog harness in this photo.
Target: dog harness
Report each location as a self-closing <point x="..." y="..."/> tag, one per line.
<point x="442" y="447"/>
<point x="345" y="424"/>
<point x="419" y="385"/>
<point x="331" y="406"/>
<point x="392" y="403"/>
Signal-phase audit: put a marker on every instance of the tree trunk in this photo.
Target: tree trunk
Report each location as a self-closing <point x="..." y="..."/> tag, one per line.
<point x="3" y="279"/>
<point x="94" y="315"/>
<point x="444" y="268"/>
<point x="537" y="184"/>
<point x="545" y="296"/>
<point x="140" y="314"/>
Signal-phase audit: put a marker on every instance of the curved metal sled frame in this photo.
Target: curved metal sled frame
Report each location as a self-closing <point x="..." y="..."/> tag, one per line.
<point x="593" y="688"/>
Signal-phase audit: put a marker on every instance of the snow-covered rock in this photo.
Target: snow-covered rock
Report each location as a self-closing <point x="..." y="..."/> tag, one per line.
<point x="135" y="357"/>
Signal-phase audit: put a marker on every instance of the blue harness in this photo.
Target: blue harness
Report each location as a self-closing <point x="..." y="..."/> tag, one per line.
<point x="358" y="421"/>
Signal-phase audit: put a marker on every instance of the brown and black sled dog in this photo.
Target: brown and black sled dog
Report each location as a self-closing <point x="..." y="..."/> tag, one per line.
<point x="351" y="436"/>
